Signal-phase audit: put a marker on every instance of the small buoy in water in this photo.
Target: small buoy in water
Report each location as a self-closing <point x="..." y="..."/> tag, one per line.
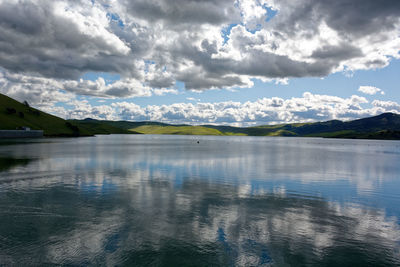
<point x="198" y="142"/>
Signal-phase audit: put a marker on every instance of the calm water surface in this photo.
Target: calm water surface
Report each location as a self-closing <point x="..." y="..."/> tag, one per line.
<point x="150" y="200"/>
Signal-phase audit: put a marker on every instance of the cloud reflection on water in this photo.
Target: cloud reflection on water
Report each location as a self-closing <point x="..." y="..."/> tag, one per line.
<point x="130" y="203"/>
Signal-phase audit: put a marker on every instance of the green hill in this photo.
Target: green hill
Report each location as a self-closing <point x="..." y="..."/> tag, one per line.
<point x="384" y="126"/>
<point x="14" y="114"/>
<point x="100" y="127"/>
<point x="171" y="129"/>
<point x="127" y="125"/>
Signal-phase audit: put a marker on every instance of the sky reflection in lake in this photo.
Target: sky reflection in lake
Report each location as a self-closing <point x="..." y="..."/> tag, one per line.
<point x="167" y="200"/>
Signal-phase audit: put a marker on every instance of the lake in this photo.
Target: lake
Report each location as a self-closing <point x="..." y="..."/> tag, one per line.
<point x="153" y="200"/>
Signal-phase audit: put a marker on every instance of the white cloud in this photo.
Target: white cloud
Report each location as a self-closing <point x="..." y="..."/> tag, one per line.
<point x="389" y="106"/>
<point x="121" y="88"/>
<point x="153" y="44"/>
<point x="275" y="110"/>
<point x="193" y="99"/>
<point x="36" y="90"/>
<point x="80" y="109"/>
<point x="370" y="90"/>
<point x="42" y="91"/>
<point x="163" y="91"/>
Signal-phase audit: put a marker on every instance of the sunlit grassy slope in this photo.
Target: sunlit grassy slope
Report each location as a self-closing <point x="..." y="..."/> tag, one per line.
<point x="384" y="126"/>
<point x="184" y="130"/>
<point x="212" y="130"/>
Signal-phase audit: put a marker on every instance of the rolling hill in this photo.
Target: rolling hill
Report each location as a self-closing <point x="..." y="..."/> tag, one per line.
<point x="14" y="114"/>
<point x="384" y="126"/>
<point x="182" y="130"/>
<point x="100" y="127"/>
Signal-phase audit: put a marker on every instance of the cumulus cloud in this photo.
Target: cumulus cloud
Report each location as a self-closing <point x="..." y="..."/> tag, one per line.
<point x="308" y="108"/>
<point x="121" y="88"/>
<point x="59" y="39"/>
<point x="38" y="91"/>
<point x="176" y="13"/>
<point x="370" y="90"/>
<point x="80" y="109"/>
<point x="266" y="110"/>
<point x="389" y="106"/>
<point x="163" y="91"/>
<point x="41" y="91"/>
<point x="205" y="44"/>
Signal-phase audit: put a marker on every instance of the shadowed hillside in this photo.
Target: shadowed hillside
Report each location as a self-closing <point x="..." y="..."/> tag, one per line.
<point x="101" y="127"/>
<point x="14" y="114"/>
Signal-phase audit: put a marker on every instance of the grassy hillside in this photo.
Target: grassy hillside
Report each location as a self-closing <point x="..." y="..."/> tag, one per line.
<point x="171" y="129"/>
<point x="14" y="114"/>
<point x="100" y="127"/>
<point x="127" y="125"/>
<point x="384" y="126"/>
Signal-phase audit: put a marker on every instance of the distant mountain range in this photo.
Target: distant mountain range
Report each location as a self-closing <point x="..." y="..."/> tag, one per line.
<point x="14" y="114"/>
<point x="384" y="126"/>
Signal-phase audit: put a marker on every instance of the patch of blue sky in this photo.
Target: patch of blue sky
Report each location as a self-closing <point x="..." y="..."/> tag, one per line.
<point x="70" y="106"/>
<point x="114" y="17"/>
<point x="180" y="85"/>
<point x="271" y="13"/>
<point x="108" y="77"/>
<point x="65" y="105"/>
<point x="226" y="31"/>
<point x="166" y="99"/>
<point x="337" y="84"/>
<point x="95" y="101"/>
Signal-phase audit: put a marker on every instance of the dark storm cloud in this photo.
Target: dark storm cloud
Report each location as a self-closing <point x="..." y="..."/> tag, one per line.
<point x="196" y="79"/>
<point x="341" y="52"/>
<point x="360" y="17"/>
<point x="160" y="82"/>
<point x="33" y="39"/>
<point x="348" y="17"/>
<point x="176" y="12"/>
<point x="270" y="65"/>
<point x="213" y="72"/>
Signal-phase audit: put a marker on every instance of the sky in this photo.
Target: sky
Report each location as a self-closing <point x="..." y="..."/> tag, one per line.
<point x="228" y="62"/>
